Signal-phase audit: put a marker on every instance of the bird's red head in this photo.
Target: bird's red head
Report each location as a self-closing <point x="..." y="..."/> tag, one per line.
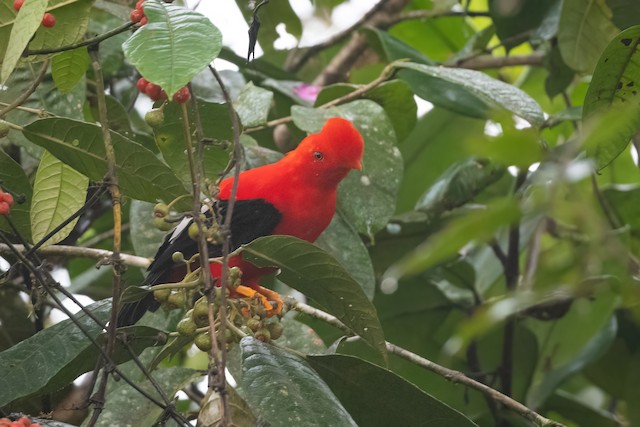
<point x="332" y="152"/>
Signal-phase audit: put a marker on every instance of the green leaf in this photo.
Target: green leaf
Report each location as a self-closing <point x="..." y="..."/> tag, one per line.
<point x="357" y="384"/>
<point x="340" y="239"/>
<point x="321" y="277"/>
<point x="58" y="192"/>
<point x="614" y="86"/>
<point x="145" y="236"/>
<point x="78" y="144"/>
<point x="30" y="368"/>
<point x="560" y="75"/>
<point x="394" y="96"/>
<point x="458" y="185"/>
<point x="479" y="225"/>
<point x="512" y="20"/>
<point x="253" y="105"/>
<point x="174" y="46"/>
<point x="624" y="202"/>
<point x="27" y="22"/>
<point x="122" y="400"/>
<point x="284" y="390"/>
<point x="69" y="67"/>
<point x="13" y="179"/>
<point x="470" y="92"/>
<point x="570" y="343"/>
<point x="584" y="30"/>
<point x="393" y="48"/>
<point x="365" y="198"/>
<point x="216" y="126"/>
<point x="579" y="410"/>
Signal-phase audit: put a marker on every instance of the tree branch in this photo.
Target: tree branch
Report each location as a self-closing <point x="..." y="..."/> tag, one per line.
<point x="78" y="251"/>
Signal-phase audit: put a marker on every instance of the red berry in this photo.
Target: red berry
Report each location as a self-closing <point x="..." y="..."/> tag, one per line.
<point x="154" y="91"/>
<point x="136" y="15"/>
<point x="4" y="208"/>
<point x="8" y="198"/>
<point x="48" y="20"/>
<point x="26" y="421"/>
<point x="17" y="4"/>
<point x="16" y="424"/>
<point x="182" y="96"/>
<point x="139" y="4"/>
<point x="143" y="21"/>
<point x="141" y="84"/>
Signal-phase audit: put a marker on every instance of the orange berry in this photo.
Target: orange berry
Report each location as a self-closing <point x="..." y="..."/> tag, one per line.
<point x="4" y="208"/>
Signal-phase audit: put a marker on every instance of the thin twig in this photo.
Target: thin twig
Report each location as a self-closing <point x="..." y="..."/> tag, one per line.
<point x="449" y="374"/>
<point x="89" y="42"/>
<point x="78" y="251"/>
<point x="115" y="260"/>
<point x="226" y="233"/>
<point x="27" y="93"/>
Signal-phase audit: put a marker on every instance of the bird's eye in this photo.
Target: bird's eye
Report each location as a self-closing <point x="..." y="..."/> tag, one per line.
<point x="318" y="155"/>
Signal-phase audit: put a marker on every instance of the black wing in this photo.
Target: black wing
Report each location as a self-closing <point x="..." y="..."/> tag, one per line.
<point x="251" y="219"/>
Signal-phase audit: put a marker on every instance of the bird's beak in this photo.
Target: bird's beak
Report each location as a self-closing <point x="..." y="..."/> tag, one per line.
<point x="358" y="165"/>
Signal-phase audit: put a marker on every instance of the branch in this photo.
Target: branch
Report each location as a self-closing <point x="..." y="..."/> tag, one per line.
<point x="89" y="42"/>
<point x="535" y="59"/>
<point x="384" y="76"/>
<point x="78" y="251"/>
<point x="27" y="93"/>
<point x="456" y="377"/>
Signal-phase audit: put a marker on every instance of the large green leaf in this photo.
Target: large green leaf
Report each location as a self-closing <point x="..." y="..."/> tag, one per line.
<point x="72" y="17"/>
<point x="145" y="236"/>
<point x="68" y="68"/>
<point x="393" y="48"/>
<point x="58" y="192"/>
<point x="614" y="86"/>
<point x="13" y="178"/>
<point x="476" y="226"/>
<point x="78" y="144"/>
<point x="514" y="20"/>
<point x="285" y="391"/>
<point x="174" y="46"/>
<point x="570" y="343"/>
<point x="357" y="384"/>
<point x="345" y="244"/>
<point x="321" y="277"/>
<point x="50" y="359"/>
<point x="458" y="185"/>
<point x="469" y="92"/>
<point x="26" y="24"/>
<point x="122" y="400"/>
<point x="394" y="96"/>
<point x="584" y="30"/>
<point x="624" y="202"/>
<point x="216" y="127"/>
<point x="253" y="105"/>
<point x="367" y="198"/>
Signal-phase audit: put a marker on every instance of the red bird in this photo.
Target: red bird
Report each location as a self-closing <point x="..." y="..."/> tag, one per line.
<point x="295" y="196"/>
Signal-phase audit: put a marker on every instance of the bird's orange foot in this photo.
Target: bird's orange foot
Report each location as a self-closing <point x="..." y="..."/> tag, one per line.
<point x="270" y="299"/>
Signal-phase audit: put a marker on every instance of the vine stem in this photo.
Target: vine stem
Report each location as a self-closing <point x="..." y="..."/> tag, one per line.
<point x="116" y="262"/>
<point x="454" y="376"/>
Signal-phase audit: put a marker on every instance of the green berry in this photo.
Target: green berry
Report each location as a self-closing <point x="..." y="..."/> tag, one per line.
<point x="161" y="294"/>
<point x="177" y="257"/>
<point x="194" y="232"/>
<point x="203" y="342"/>
<point x="254" y="324"/>
<point x="161" y="224"/>
<point x="4" y="129"/>
<point x="154" y="118"/>
<point x="263" y="335"/>
<point x="176" y="300"/>
<point x="187" y="327"/>
<point x="160" y="210"/>
<point x="275" y="329"/>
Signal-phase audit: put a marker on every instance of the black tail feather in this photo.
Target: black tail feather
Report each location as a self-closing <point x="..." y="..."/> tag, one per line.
<point x="131" y="312"/>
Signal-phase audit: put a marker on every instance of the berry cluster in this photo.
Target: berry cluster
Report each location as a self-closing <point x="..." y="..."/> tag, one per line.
<point x="137" y="14"/>
<point x="20" y="422"/>
<point x="48" y="20"/>
<point x="6" y="201"/>
<point x="156" y="93"/>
